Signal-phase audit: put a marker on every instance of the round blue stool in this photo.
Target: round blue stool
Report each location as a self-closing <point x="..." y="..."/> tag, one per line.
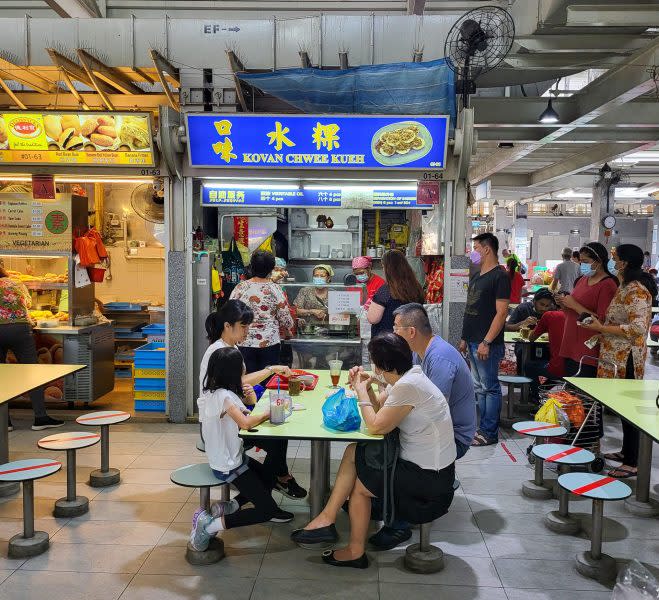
<point x="593" y="563"/>
<point x="565" y="456"/>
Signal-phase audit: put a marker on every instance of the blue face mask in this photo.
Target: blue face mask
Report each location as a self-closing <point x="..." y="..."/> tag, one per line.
<point x="612" y="267"/>
<point x="586" y="270"/>
<point x="475" y="257"/>
<point x="319" y="280"/>
<point x="362" y="277"/>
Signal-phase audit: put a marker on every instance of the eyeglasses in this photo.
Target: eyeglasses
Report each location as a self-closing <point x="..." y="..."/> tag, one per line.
<point x="397" y="328"/>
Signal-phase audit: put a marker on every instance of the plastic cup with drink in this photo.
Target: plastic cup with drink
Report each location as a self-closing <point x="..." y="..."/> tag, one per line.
<point x="335" y="371"/>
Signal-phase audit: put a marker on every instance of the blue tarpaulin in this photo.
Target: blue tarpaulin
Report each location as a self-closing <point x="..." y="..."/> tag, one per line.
<point x="408" y="88"/>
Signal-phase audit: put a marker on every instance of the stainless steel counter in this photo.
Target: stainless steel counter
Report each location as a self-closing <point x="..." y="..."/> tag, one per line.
<point x="327" y="340"/>
<point x="66" y="329"/>
<point x="91" y="345"/>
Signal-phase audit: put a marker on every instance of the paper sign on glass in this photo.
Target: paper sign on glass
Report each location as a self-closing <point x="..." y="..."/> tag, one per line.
<point x="340" y="301"/>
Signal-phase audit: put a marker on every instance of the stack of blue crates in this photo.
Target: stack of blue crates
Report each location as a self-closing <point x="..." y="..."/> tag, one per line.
<point x="150" y="377"/>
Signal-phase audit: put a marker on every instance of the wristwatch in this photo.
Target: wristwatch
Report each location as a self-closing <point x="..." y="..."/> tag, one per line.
<point x="487" y="343"/>
<point x="272" y="371"/>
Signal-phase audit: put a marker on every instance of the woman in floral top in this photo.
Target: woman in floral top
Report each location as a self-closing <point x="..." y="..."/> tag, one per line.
<point x="16" y="335"/>
<point x="622" y="339"/>
<point x="261" y="349"/>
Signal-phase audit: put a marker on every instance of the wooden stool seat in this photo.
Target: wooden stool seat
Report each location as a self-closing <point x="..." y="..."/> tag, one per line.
<point x="30" y="542"/>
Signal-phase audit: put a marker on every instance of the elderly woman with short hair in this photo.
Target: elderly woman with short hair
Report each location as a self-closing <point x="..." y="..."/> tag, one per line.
<point x="425" y="470"/>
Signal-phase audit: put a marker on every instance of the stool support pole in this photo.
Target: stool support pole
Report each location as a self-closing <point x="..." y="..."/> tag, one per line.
<point x="598" y="524"/>
<point x="563" y="502"/>
<point x="509" y="409"/>
<point x="224" y="493"/>
<point x="28" y="508"/>
<point x="538" y="478"/>
<point x="71" y="475"/>
<point x="205" y="498"/>
<point x="424" y="537"/>
<point x="105" y="448"/>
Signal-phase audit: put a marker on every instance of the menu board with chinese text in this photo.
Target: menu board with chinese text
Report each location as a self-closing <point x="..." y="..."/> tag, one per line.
<point x="34" y="225"/>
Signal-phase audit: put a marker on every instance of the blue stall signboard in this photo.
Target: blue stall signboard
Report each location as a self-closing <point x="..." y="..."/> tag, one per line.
<point x="317" y="142"/>
<point x="291" y="196"/>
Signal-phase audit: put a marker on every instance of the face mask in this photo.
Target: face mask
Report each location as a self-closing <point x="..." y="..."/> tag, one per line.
<point x="475" y="257"/>
<point x="379" y="377"/>
<point x="319" y="280"/>
<point x="612" y="267"/>
<point x="362" y="278"/>
<point x="586" y="270"/>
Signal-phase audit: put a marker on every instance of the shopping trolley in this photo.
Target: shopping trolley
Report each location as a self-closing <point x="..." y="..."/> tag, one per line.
<point x="579" y="414"/>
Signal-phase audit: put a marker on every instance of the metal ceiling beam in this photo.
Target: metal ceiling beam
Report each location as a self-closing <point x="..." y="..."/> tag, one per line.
<point x="12" y="95"/>
<point x="529" y="135"/>
<point x="33" y="101"/>
<point x="595" y="155"/>
<point x="236" y="66"/>
<point x="613" y="15"/>
<point x="562" y="60"/>
<point x="501" y="113"/>
<point x="163" y="66"/>
<point x="76" y="9"/>
<point x="415" y="7"/>
<point x="613" y="89"/>
<point x="109" y="75"/>
<point x="96" y="83"/>
<point x="74" y="70"/>
<point x="24" y="76"/>
<point x="600" y="42"/>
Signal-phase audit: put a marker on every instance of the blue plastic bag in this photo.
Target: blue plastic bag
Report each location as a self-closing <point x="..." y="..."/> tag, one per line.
<point x="340" y="412"/>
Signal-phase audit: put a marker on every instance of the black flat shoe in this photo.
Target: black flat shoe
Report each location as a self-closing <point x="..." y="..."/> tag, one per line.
<point x="357" y="563"/>
<point x="322" y="535"/>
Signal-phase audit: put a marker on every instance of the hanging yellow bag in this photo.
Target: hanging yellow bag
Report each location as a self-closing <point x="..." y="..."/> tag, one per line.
<point x="548" y="412"/>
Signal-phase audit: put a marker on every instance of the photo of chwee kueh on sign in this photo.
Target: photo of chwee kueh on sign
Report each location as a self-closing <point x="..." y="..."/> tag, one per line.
<point x="317" y="142"/>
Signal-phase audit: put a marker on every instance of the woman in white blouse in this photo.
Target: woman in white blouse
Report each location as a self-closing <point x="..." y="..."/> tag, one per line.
<point x="425" y="470"/>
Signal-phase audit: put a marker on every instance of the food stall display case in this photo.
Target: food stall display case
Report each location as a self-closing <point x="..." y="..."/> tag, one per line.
<point x="65" y="329"/>
<point x="50" y="165"/>
<point x="315" y="189"/>
<point x="338" y="333"/>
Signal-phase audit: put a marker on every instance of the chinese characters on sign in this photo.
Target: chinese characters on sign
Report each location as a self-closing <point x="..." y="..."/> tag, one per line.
<point x="27" y="224"/>
<point x="216" y="195"/>
<point x="318" y="142"/>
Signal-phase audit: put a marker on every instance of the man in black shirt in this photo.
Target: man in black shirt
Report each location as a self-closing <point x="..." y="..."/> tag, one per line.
<point x="482" y="334"/>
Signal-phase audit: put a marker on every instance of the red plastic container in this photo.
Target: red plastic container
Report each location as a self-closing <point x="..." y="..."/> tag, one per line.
<point x="96" y="275"/>
<point x="282" y="382"/>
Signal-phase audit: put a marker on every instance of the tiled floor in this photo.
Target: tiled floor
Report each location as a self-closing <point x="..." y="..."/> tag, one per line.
<point x="131" y="544"/>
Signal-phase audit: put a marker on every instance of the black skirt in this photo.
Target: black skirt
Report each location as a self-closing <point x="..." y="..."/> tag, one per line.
<point x="420" y="495"/>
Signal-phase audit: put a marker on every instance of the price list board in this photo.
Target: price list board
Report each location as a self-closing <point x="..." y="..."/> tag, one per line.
<point x="34" y="225"/>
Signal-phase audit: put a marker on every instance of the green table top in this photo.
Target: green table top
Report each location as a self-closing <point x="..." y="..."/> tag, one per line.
<point x="633" y="399"/>
<point x="308" y="424"/>
<point x="510" y="337"/>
